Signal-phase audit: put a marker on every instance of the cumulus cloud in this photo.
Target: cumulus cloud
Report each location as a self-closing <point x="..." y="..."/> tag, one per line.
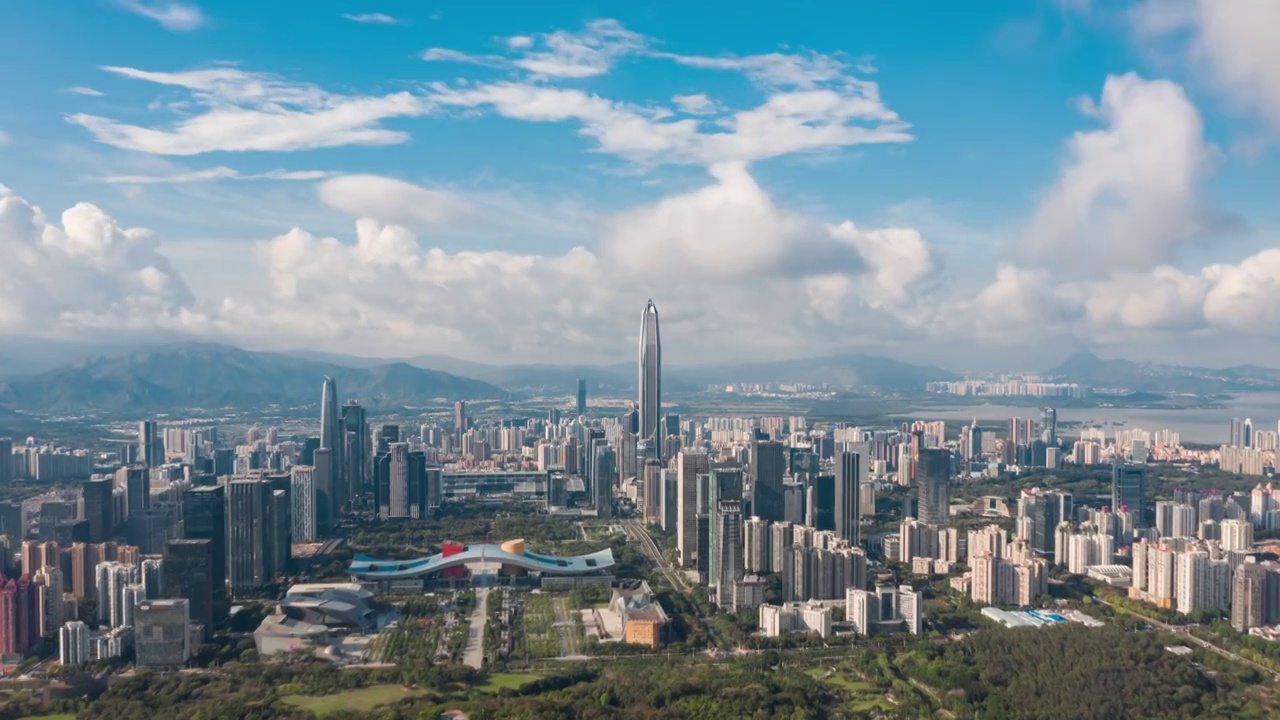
<point x="1229" y="43"/>
<point x="176" y="16"/>
<point x="83" y="271"/>
<point x="1128" y="195"/>
<point x="246" y="111"/>
<point x="695" y="104"/>
<point x="391" y="201"/>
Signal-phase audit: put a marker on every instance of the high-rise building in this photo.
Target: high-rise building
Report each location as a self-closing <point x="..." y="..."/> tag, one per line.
<point x="162" y="637"/>
<point x="650" y="380"/>
<point x="933" y="474"/>
<point x="152" y="574"/>
<point x="357" y="456"/>
<point x="149" y="450"/>
<point x="848" y="495"/>
<point x="756" y="555"/>
<point x="728" y="550"/>
<point x="767" y="463"/>
<point x="136" y="481"/>
<point x="689" y="466"/>
<point x="582" y="397"/>
<point x="6" y="460"/>
<point x="332" y="439"/>
<point x="604" y="470"/>
<point x="1249" y="595"/>
<point x="188" y="573"/>
<point x="302" y="488"/>
<point x="112" y="578"/>
<point x="73" y="644"/>
<point x="249" y="531"/>
<point x="652" y="490"/>
<point x="98" y="507"/>
<point x="460" y="419"/>
<point x="1049" y="426"/>
<point x="1127" y="482"/>
<point x="204" y="517"/>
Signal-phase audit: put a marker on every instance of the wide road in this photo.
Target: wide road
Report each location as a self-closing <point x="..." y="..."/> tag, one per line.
<point x="473" y="656"/>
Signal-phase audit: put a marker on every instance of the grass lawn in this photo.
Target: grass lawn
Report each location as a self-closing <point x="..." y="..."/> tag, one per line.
<point x="358" y="700"/>
<point x="866" y="697"/>
<point x="58" y="716"/>
<point x="514" y="681"/>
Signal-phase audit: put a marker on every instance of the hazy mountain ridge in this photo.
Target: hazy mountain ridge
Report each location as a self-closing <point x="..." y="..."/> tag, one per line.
<point x="211" y="375"/>
<point x="1088" y="369"/>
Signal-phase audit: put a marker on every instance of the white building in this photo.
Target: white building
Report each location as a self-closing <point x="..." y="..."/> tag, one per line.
<point x="795" y="617"/>
<point x="73" y="643"/>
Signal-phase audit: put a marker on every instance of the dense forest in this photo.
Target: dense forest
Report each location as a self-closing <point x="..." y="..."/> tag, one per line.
<point x="1085" y="674"/>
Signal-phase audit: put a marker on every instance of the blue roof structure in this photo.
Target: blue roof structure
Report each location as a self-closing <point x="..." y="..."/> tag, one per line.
<point x="368" y="568"/>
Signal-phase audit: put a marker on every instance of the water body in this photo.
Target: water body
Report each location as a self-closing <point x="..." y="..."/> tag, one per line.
<point x="1197" y="425"/>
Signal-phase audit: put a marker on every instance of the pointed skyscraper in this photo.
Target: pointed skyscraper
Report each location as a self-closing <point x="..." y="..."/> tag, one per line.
<point x="650" y="381"/>
<point x="331" y="439"/>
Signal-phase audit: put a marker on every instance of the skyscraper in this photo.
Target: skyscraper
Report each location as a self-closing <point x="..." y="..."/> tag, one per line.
<point x="136" y="481"/>
<point x="98" y="507"/>
<point x="149" y="451"/>
<point x="688" y="467"/>
<point x="933" y="473"/>
<point x="460" y="419"/>
<point x="582" y="397"/>
<point x="356" y="453"/>
<point x="249" y="531"/>
<point x="650" y="380"/>
<point x="1049" y="430"/>
<point x="848" y="495"/>
<point x="303" y="489"/>
<point x="1127" y="482"/>
<point x="728" y="550"/>
<point x="6" y="454"/>
<point x="767" y="463"/>
<point x="204" y="517"/>
<point x="331" y="436"/>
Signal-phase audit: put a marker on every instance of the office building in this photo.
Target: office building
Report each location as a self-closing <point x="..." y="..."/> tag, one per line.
<point x="188" y="573"/>
<point x="333" y="442"/>
<point x="149" y="451"/>
<point x="767" y="464"/>
<point x="302" y="486"/>
<point x="582" y="397"/>
<point x="1127" y="487"/>
<point x="111" y="579"/>
<point x="688" y="467"/>
<point x="650" y="365"/>
<point x="162" y="633"/>
<point x="204" y="517"/>
<point x="933" y="475"/>
<point x="848" y="495"/>
<point x="98" y="509"/>
<point x="728" y="551"/>
<point x="135" y="480"/>
<point x="249" y="533"/>
<point x="756" y="556"/>
<point x="357" y="458"/>
<point x="152" y="574"/>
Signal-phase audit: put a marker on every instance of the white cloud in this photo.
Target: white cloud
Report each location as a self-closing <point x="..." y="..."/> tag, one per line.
<point x="370" y="18"/>
<point x="86" y="270"/>
<point x="391" y="201"/>
<point x="792" y="122"/>
<point x="1230" y="43"/>
<point x="176" y="16"/>
<point x="245" y="111"/>
<point x="86" y="91"/>
<point x="1128" y="195"/>
<point x="696" y="104"/>
<point x="5" y="138"/>
<point x="897" y="257"/>
<point x="215" y="173"/>
<point x="561" y="54"/>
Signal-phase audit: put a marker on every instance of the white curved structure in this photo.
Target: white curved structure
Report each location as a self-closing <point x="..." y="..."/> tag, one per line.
<point x="367" y="568"/>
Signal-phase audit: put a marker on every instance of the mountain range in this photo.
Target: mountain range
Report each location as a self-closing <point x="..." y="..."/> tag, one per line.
<point x="207" y="375"/>
<point x="1088" y="369"/>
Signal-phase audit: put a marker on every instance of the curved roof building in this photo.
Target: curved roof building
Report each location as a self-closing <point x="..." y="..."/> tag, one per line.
<point x="509" y="553"/>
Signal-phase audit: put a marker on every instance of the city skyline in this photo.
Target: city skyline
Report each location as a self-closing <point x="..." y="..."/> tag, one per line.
<point x="1119" y="204"/>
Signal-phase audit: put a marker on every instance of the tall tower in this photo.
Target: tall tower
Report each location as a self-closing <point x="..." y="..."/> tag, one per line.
<point x="331" y="436"/>
<point x="848" y="487"/>
<point x="650" y="380"/>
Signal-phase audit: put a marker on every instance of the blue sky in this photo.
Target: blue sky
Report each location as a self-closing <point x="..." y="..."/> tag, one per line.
<point x="510" y="181"/>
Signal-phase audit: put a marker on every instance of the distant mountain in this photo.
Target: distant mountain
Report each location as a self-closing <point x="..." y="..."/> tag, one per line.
<point x="862" y="371"/>
<point x="1088" y="369"/>
<point x="846" y="371"/>
<point x="212" y="376"/>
